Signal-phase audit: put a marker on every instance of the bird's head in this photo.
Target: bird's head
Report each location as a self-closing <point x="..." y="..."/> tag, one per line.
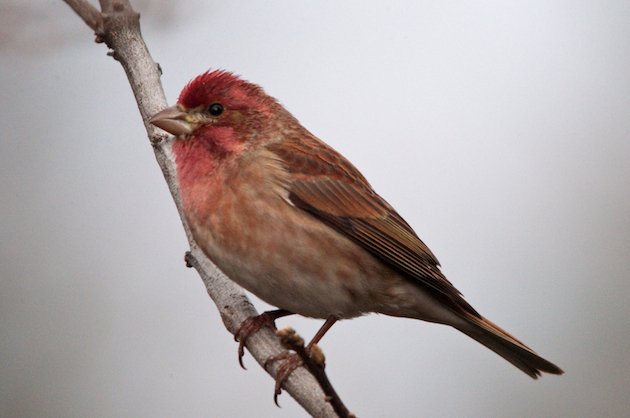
<point x="219" y="108"/>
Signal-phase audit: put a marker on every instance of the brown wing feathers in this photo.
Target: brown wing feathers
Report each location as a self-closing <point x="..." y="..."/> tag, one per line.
<point x="344" y="200"/>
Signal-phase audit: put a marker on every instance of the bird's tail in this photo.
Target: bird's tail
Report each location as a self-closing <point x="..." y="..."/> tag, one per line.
<point x="508" y="347"/>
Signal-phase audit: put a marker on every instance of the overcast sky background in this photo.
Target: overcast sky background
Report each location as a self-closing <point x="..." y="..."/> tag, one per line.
<point x="501" y="132"/>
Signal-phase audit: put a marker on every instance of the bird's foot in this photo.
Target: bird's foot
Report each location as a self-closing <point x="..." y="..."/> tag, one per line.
<point x="252" y="325"/>
<point x="290" y="362"/>
<point x="310" y="356"/>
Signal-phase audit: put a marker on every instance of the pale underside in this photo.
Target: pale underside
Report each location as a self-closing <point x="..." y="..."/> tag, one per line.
<point x="290" y="259"/>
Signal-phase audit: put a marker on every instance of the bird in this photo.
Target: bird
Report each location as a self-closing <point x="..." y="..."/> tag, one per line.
<point x="291" y="220"/>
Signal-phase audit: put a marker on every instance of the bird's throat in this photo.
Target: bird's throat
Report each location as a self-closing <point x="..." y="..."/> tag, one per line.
<point x="198" y="174"/>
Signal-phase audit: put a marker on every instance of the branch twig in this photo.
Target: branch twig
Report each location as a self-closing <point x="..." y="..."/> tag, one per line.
<point x="90" y="15"/>
<point x="118" y="25"/>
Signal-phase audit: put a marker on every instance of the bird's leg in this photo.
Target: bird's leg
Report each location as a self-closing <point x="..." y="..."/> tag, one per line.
<point x="330" y="321"/>
<point x="310" y="356"/>
<point x="252" y="325"/>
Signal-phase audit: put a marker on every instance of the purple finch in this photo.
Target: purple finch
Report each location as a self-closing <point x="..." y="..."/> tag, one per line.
<point x="291" y="220"/>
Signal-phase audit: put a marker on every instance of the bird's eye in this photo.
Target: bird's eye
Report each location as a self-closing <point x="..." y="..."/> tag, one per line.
<point x="215" y="109"/>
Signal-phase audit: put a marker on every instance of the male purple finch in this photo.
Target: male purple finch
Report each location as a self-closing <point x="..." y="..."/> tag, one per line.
<point x="291" y="220"/>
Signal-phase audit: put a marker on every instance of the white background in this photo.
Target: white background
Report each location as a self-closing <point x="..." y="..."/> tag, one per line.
<point x="500" y="131"/>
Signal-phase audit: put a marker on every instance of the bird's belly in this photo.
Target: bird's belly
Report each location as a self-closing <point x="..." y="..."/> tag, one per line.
<point x="289" y="259"/>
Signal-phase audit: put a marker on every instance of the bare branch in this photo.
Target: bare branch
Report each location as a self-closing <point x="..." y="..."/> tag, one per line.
<point x="87" y="12"/>
<point x="119" y="27"/>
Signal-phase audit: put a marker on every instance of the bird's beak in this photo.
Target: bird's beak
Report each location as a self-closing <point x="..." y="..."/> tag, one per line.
<point x="173" y="120"/>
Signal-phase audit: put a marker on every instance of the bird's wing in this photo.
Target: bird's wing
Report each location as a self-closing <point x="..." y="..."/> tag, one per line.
<point x="326" y="185"/>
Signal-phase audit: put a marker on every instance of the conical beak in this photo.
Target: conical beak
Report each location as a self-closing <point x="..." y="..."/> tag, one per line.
<point x="172" y="120"/>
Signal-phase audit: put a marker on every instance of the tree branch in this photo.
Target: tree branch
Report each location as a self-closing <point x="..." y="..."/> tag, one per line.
<point x="118" y="25"/>
<point x="87" y="12"/>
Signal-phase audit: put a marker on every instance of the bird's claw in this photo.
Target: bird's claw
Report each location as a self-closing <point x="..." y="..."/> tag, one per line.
<point x="248" y="327"/>
<point x="297" y="355"/>
<point x="291" y="361"/>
